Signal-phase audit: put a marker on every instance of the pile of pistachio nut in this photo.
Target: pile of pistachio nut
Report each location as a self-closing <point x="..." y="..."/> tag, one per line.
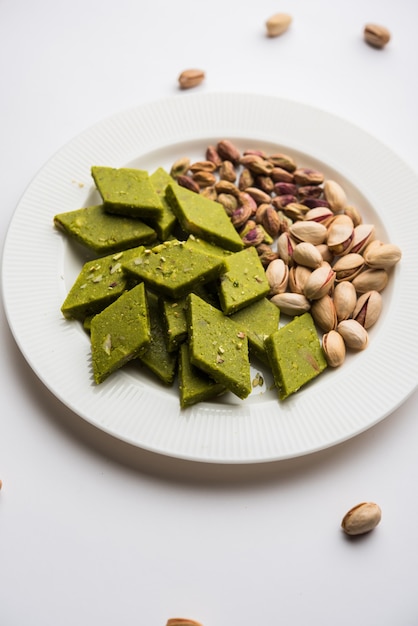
<point x="318" y="254"/>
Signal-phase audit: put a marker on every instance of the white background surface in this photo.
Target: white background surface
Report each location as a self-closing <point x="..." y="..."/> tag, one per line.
<point x="94" y="531"/>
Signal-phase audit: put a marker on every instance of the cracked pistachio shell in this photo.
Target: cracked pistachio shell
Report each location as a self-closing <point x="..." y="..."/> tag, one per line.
<point x="363" y="235"/>
<point x="324" y="313"/>
<point x="348" y="266"/>
<point x="354" y="334"/>
<point x="291" y="303"/>
<point x="380" y="255"/>
<point x="307" y="254"/>
<point x="340" y="234"/>
<point x="362" y="518"/>
<point x="285" y="246"/>
<point x="321" y="214"/>
<point x="312" y="232"/>
<point x="277" y="274"/>
<point x="368" y="308"/>
<point x="334" y="348"/>
<point x="335" y="195"/>
<point x="298" y="275"/>
<point x="345" y="299"/>
<point x="320" y="282"/>
<point x="371" y="280"/>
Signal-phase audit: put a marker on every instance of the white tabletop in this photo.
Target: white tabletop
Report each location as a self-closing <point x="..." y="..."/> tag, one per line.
<point x="95" y="531"/>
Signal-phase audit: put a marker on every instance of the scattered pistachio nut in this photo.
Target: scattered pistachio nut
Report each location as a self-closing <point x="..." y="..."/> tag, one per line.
<point x="191" y="78"/>
<point x="361" y="519"/>
<point x="278" y="24"/>
<point x="376" y="36"/>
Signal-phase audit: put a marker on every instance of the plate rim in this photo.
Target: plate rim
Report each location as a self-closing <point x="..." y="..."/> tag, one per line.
<point x="172" y="106"/>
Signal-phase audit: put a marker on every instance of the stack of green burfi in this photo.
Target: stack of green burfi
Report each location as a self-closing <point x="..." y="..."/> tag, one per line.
<point x="194" y="384"/>
<point x="258" y="321"/>
<point x="163" y="224"/>
<point x="192" y="307"/>
<point x="156" y="357"/>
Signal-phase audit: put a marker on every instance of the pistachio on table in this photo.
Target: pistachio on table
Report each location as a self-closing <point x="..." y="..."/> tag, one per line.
<point x="278" y="24"/>
<point x="361" y="519"/>
<point x="376" y="36"/>
<point x="191" y="78"/>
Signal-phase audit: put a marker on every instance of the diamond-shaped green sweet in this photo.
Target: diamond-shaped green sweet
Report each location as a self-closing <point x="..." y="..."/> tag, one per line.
<point x="172" y="269"/>
<point x="295" y="355"/>
<point x="99" y="283"/>
<point x="156" y="356"/>
<point x="120" y="333"/>
<point x="163" y="224"/>
<point x="203" y="217"/>
<point x="244" y="281"/>
<point x="102" y="232"/>
<point x="194" y="385"/>
<point x="218" y="347"/>
<point x="127" y="191"/>
<point x="258" y="321"/>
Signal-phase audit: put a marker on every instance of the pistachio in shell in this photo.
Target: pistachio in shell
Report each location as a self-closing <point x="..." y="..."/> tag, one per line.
<point x="368" y="308"/>
<point x="333" y="347"/>
<point x="371" y="279"/>
<point x="345" y="299"/>
<point x="354" y="334"/>
<point x="362" y="518"/>
<point x="320" y="282"/>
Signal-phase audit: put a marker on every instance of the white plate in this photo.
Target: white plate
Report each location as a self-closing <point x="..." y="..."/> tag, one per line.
<point x="39" y="266"/>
